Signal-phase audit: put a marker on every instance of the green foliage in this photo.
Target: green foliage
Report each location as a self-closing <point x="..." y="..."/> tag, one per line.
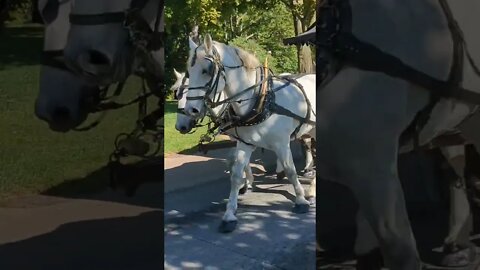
<point x="20" y="11"/>
<point x="255" y="25"/>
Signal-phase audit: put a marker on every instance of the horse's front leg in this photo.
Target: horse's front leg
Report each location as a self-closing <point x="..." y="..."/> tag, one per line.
<point x="243" y="153"/>
<point x="457" y="247"/>
<point x="284" y="154"/>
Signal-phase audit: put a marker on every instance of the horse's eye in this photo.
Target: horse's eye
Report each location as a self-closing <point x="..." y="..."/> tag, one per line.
<point x="204" y="71"/>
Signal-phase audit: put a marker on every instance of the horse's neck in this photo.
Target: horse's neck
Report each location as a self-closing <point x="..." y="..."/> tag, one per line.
<point x="158" y="56"/>
<point x="158" y="67"/>
<point x="237" y="81"/>
<point x="222" y="107"/>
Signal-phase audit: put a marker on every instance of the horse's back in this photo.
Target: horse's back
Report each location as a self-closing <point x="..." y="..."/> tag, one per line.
<point x="294" y="99"/>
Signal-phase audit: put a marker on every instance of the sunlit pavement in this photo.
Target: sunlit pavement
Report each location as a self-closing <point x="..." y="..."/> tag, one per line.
<point x="268" y="235"/>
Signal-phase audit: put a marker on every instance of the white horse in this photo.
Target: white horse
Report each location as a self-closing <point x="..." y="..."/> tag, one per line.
<point x="106" y="46"/>
<point x="66" y="99"/>
<point x="215" y="67"/>
<point x="185" y="124"/>
<point x="60" y="91"/>
<point x="363" y="113"/>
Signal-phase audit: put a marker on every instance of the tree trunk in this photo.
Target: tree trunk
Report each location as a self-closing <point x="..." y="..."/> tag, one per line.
<point x="301" y="21"/>
<point x="305" y="60"/>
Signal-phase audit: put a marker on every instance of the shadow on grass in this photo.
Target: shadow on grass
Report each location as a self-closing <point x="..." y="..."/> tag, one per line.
<point x="114" y="243"/>
<point x="138" y="177"/>
<point x="20" y="46"/>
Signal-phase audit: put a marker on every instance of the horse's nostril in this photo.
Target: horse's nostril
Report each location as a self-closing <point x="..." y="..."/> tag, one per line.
<point x="183" y="128"/>
<point x="61" y="115"/>
<point x="194" y="110"/>
<point x="98" y="58"/>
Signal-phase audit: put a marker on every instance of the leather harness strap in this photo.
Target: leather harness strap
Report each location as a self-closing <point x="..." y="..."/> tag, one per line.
<point x="336" y="39"/>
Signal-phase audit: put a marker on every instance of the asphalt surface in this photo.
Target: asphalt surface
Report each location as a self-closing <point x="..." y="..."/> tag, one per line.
<point x="268" y="235"/>
<point x="111" y="231"/>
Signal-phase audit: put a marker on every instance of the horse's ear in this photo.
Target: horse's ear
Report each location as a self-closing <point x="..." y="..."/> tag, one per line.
<point x="177" y="74"/>
<point x="192" y="44"/>
<point x="208" y="44"/>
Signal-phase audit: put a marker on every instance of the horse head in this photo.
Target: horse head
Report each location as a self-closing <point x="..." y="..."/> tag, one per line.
<point x="63" y="98"/>
<point x="107" y="36"/>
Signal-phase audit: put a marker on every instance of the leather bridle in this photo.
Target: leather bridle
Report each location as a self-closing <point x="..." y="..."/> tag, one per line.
<point x="143" y="39"/>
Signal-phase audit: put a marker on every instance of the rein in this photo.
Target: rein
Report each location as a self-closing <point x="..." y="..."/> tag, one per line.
<point x="340" y="47"/>
<point x="264" y="107"/>
<point x="142" y="38"/>
<point x="54" y="59"/>
<point x="144" y="41"/>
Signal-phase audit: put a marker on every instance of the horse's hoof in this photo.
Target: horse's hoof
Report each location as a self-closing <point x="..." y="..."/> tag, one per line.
<point x="459" y="258"/>
<point x="243" y="190"/>
<point x="301" y="208"/>
<point x="281" y="175"/>
<point x="312" y="201"/>
<point x="227" y="226"/>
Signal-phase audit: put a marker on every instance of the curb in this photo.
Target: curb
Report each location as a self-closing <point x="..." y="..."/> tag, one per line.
<point x="187" y="171"/>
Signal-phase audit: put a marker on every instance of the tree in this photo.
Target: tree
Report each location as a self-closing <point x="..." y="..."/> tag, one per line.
<point x="303" y="13"/>
<point x="256" y="25"/>
<point x="18" y="11"/>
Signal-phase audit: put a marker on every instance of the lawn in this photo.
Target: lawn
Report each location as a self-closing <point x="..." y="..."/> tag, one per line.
<point x="33" y="158"/>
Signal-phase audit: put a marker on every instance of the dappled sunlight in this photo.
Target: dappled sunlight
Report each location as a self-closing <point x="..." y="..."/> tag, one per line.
<point x="267" y="232"/>
<point x="241" y="245"/>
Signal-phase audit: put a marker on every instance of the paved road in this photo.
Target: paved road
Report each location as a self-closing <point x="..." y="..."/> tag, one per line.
<point x="269" y="235"/>
<point x="110" y="231"/>
<point x="103" y="231"/>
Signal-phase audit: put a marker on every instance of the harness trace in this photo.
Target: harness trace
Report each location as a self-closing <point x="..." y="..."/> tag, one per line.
<point x="148" y="133"/>
<point x="227" y="120"/>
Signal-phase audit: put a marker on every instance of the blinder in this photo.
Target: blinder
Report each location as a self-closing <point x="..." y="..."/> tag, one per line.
<point x="216" y="67"/>
<point x="107" y="17"/>
<point x="130" y="17"/>
<point x="50" y="11"/>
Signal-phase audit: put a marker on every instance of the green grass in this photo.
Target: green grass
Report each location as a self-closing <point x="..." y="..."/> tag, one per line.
<point x="176" y="142"/>
<point x="33" y="158"/>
